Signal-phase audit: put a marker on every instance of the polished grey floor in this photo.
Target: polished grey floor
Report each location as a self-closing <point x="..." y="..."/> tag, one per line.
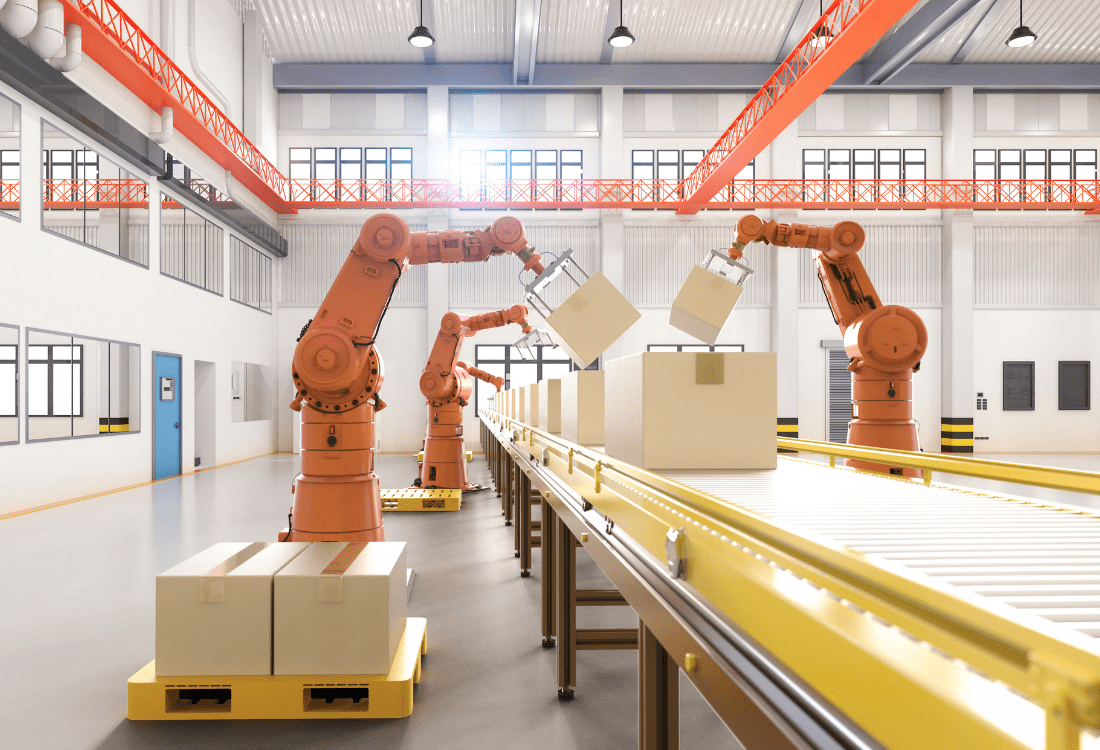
<point x="77" y="619"/>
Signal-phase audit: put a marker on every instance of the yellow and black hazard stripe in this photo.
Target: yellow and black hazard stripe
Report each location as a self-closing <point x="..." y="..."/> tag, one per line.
<point x="114" y="424"/>
<point x="957" y="435"/>
<point x="787" y="427"/>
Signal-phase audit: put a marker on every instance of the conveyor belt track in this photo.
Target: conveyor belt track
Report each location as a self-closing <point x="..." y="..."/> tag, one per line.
<point x="1040" y="559"/>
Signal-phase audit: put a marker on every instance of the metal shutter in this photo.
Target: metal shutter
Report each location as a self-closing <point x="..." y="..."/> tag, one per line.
<point x="840" y="396"/>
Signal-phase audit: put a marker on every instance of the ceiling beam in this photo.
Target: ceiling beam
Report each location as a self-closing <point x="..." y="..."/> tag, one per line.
<point x="732" y="76"/>
<point x="978" y="33"/>
<point x="528" y="13"/>
<point x="429" y="21"/>
<point x="611" y="21"/>
<point x="805" y="75"/>
<point x="800" y="21"/>
<point x="900" y="48"/>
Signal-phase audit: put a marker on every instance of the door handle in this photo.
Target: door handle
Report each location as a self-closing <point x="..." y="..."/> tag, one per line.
<point x="177" y="425"/>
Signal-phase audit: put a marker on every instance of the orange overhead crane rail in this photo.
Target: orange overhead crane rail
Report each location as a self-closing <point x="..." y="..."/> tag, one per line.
<point x="668" y="194"/>
<point x="838" y="39"/>
<point x="119" y="46"/>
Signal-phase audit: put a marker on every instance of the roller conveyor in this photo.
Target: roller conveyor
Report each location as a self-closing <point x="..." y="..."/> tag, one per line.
<point x="987" y="545"/>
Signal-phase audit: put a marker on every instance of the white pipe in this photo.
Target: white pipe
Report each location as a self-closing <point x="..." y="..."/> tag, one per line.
<point x="18" y="17"/>
<point x="168" y="28"/>
<point x="68" y="57"/>
<point x="48" y="35"/>
<point x="210" y="87"/>
<point x="166" y="129"/>
<point x="229" y="187"/>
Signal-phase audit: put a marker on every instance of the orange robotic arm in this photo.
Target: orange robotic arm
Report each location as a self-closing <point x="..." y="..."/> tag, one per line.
<point x="338" y="372"/>
<point x="885" y="342"/>
<point x="447" y="384"/>
<point x="485" y="377"/>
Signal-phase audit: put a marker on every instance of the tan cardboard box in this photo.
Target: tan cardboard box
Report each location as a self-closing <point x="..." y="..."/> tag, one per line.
<point x="591" y="319"/>
<point x="214" y="609"/>
<point x="534" y="393"/>
<point x="686" y="410"/>
<point x="340" y="608"/>
<point x="521" y="404"/>
<point x="512" y="403"/>
<point x="550" y="406"/>
<point x="704" y="304"/>
<point x="582" y="407"/>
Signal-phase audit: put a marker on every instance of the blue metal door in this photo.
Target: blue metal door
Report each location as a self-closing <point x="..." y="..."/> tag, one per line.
<point x="166" y="396"/>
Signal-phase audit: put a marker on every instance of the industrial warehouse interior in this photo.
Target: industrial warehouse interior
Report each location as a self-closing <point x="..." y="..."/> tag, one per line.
<point x="549" y="374"/>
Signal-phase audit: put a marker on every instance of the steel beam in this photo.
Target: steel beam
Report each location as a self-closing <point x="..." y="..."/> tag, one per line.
<point x="528" y="13"/>
<point x="979" y="32"/>
<point x="800" y="21"/>
<point x="806" y="74"/>
<point x="903" y="46"/>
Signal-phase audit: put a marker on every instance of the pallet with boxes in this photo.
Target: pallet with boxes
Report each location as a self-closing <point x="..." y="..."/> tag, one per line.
<point x="283" y="630"/>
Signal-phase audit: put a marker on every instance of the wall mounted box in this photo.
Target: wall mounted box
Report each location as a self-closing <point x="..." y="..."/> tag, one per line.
<point x="704" y="304"/>
<point x="214" y="610"/>
<point x="534" y="396"/>
<point x="591" y="319"/>
<point x="686" y="410"/>
<point x="550" y="406"/>
<point x="340" y="608"/>
<point x="582" y="407"/>
<point x="521" y="404"/>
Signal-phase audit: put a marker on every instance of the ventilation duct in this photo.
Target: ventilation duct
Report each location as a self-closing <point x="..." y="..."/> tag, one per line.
<point x="48" y="35"/>
<point x="69" y="56"/>
<point x="166" y="129"/>
<point x="17" y="17"/>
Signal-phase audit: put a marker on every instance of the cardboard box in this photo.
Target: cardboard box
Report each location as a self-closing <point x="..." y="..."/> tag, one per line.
<point x="591" y="319"/>
<point x="214" y="609"/>
<point x="704" y="304"/>
<point x="534" y="394"/>
<point x="686" y="410"/>
<point x="582" y="407"/>
<point x="521" y="404"/>
<point x="340" y="608"/>
<point x="550" y="406"/>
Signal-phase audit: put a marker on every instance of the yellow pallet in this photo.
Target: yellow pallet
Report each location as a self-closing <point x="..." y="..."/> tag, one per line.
<point x="380" y="696"/>
<point x="416" y="499"/>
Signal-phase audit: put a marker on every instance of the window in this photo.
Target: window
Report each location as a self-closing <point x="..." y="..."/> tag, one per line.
<point x="572" y="173"/>
<point x="695" y="348"/>
<point x="889" y="164"/>
<point x="1019" y="386"/>
<point x="521" y="171"/>
<point x="376" y="164"/>
<point x="301" y="172"/>
<point x="1084" y="164"/>
<point x="813" y="164"/>
<point x="55" y="381"/>
<point x="546" y="168"/>
<point x="496" y="175"/>
<point x="351" y="171"/>
<point x="642" y="169"/>
<point x="505" y="361"/>
<point x="1008" y="164"/>
<point x="80" y="386"/>
<point x="9" y="364"/>
<point x="10" y="115"/>
<point x="192" y="248"/>
<point x="469" y="174"/>
<point x="401" y="168"/>
<point x="1073" y="386"/>
<point x="985" y="164"/>
<point x="250" y="276"/>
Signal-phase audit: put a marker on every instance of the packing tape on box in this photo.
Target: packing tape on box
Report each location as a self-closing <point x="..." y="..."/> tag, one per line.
<point x="330" y="584"/>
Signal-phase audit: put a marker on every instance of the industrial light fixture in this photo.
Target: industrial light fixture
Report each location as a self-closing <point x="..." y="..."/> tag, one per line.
<point x="823" y="33"/>
<point x="421" y="37"/>
<point x="621" y="36"/>
<point x="1022" y="36"/>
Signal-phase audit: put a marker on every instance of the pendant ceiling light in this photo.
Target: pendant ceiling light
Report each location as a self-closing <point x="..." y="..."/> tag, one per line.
<point x="421" y="37"/>
<point x="1022" y="36"/>
<point x="621" y="36"/>
<point x="823" y="34"/>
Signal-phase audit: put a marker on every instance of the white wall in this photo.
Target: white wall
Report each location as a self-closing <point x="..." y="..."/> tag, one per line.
<point x="83" y="292"/>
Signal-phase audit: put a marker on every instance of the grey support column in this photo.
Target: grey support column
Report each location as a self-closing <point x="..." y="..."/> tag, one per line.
<point x="957" y="280"/>
<point x="436" y="166"/>
<point x="784" y="328"/>
<point x="612" y="261"/>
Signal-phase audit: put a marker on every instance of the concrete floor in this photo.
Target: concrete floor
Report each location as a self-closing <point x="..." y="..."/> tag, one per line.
<point x="78" y="619"/>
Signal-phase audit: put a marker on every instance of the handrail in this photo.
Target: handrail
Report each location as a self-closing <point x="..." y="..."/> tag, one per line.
<point x="1071" y="480"/>
<point x="744" y="194"/>
<point x="1057" y="669"/>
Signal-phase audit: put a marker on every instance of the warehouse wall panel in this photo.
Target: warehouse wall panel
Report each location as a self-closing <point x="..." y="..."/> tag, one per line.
<point x="903" y="262"/>
<point x="1037" y="266"/>
<point x="658" y="259"/>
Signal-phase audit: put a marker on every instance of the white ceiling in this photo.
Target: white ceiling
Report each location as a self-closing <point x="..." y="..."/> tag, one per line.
<point x="667" y="31"/>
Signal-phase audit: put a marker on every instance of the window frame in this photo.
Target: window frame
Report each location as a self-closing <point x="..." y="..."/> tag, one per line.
<point x="539" y="361"/>
<point x="713" y="348"/>
<point x="1088" y="385"/>
<point x="50" y="363"/>
<point x="1004" y="385"/>
<point x="15" y="382"/>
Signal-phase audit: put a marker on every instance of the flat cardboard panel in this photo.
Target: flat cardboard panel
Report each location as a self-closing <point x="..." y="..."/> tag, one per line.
<point x="582" y="407"/>
<point x="704" y="304"/>
<point x="684" y="424"/>
<point x="521" y="404"/>
<point x="550" y="406"/>
<point x="214" y="610"/>
<point x="340" y="624"/>
<point x="534" y="394"/>
<point x="591" y="319"/>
